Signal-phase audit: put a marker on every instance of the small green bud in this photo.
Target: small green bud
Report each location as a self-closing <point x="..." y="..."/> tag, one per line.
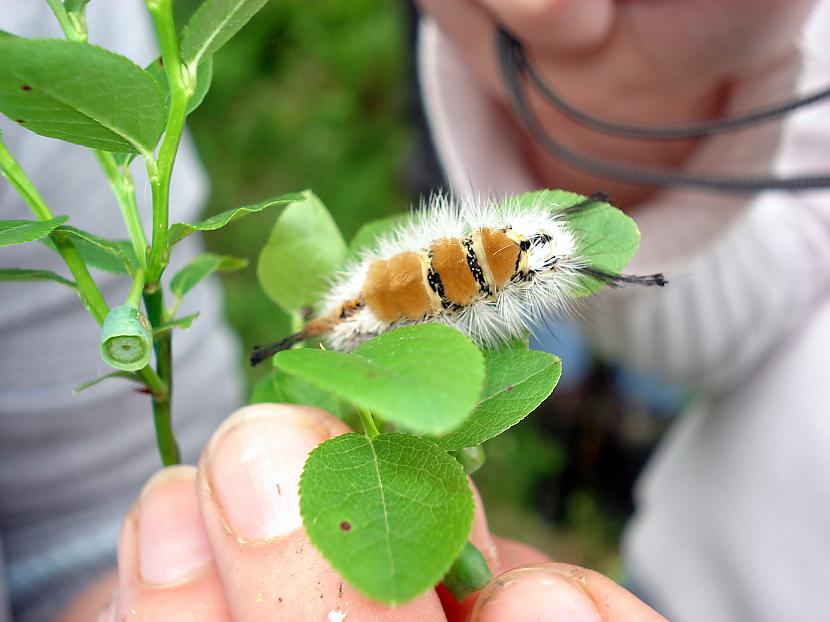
<point x="126" y="339"/>
<point x="468" y="573"/>
<point x="471" y="458"/>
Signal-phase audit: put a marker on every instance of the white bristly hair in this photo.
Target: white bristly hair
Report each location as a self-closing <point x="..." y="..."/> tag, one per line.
<point x="513" y="310"/>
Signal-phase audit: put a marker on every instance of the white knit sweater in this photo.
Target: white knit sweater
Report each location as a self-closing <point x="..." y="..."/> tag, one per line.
<point x="733" y="517"/>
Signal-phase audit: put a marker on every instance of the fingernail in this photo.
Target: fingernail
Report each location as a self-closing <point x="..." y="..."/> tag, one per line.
<point x="536" y="594"/>
<point x="172" y="543"/>
<point x="254" y="465"/>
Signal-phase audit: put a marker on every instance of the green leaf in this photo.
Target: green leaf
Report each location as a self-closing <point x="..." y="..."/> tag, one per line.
<point x="281" y="387"/>
<point x="368" y="234"/>
<point x="127" y="375"/>
<point x="390" y="514"/>
<point x="517" y="381"/>
<point x="200" y="268"/>
<point x="21" y="231"/>
<point x="28" y="274"/>
<point x="426" y="378"/>
<point x="305" y="247"/>
<point x="204" y="75"/>
<point x="606" y="237"/>
<point x="212" y="26"/>
<point x="179" y="231"/>
<point x="80" y="93"/>
<point x="115" y="256"/>
<point x="183" y="322"/>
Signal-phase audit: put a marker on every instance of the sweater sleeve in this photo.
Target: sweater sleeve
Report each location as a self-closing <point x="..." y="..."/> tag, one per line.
<point x="744" y="271"/>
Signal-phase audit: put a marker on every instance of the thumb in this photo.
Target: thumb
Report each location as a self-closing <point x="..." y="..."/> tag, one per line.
<point x="555" y="25"/>
<point x="556" y="592"/>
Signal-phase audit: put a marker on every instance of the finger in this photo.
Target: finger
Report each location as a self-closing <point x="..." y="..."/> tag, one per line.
<point x="482" y="538"/>
<point x="165" y="565"/>
<point x="559" y="593"/>
<point x="555" y="25"/>
<point x="509" y="554"/>
<point x="248" y="492"/>
<point x="96" y="598"/>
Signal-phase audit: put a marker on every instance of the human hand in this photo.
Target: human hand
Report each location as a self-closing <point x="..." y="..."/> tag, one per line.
<point x="641" y="62"/>
<point x="224" y="541"/>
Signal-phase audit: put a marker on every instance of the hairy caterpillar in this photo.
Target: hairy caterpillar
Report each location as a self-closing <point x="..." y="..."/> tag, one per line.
<point x="490" y="270"/>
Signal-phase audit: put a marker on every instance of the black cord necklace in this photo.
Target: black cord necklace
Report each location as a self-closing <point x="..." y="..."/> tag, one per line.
<point x="515" y="65"/>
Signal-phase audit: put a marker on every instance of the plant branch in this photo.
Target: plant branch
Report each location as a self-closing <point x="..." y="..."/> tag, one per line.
<point x="120" y="181"/>
<point x="166" y="439"/>
<point x="74" y="30"/>
<point x="88" y="291"/>
<point x="122" y="186"/>
<point x="20" y="181"/>
<point x="86" y="287"/>
<point x="137" y="289"/>
<point x="160" y="171"/>
<point x="369" y="425"/>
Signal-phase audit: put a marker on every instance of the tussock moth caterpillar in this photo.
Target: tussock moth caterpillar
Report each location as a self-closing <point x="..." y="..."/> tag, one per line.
<point x="490" y="270"/>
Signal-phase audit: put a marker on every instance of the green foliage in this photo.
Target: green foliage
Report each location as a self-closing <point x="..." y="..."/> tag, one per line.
<point x="304" y="248"/>
<point x="28" y="274"/>
<point x="390" y="511"/>
<point x="284" y="388"/>
<point x="114" y="256"/>
<point x="204" y="75"/>
<point x="80" y="93"/>
<point x="517" y="381"/>
<point x="75" y="6"/>
<point x="606" y="237"/>
<point x="200" y="268"/>
<point x="368" y="234"/>
<point x="307" y="96"/>
<point x="127" y="375"/>
<point x="390" y="514"/>
<point x="425" y="378"/>
<point x="213" y="24"/>
<point x="21" y="231"/>
<point x="183" y="322"/>
<point x="179" y="231"/>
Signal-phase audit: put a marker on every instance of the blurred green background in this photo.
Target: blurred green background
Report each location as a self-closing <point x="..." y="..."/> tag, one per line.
<point x="319" y="94"/>
<point x="308" y="95"/>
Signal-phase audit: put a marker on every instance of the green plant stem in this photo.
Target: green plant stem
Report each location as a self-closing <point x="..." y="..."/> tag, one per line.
<point x="122" y="186"/>
<point x="20" y="181"/>
<point x="87" y="289"/>
<point x="137" y="289"/>
<point x="90" y="295"/>
<point x="161" y="170"/>
<point x="368" y="423"/>
<point x="75" y="30"/>
<point x="166" y="439"/>
<point x="120" y="181"/>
